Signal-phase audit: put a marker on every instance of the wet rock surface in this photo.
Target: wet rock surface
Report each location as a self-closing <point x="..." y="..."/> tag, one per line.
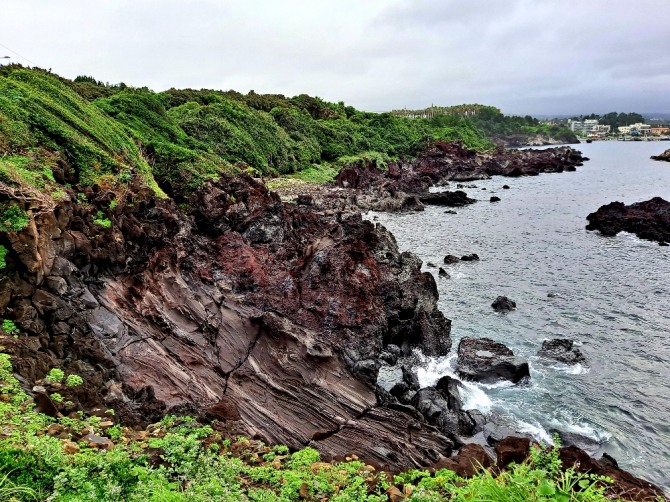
<point x="503" y="304"/>
<point x="561" y="350"/>
<point x="484" y="360"/>
<point x="648" y="220"/>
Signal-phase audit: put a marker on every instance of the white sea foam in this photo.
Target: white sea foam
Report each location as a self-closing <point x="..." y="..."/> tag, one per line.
<point x="431" y="369"/>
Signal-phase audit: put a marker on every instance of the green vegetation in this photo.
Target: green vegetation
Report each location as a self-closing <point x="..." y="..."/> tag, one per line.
<point x="481" y="123"/>
<point x="13" y="218"/>
<point x="40" y="117"/>
<point x="9" y="327"/>
<point x="3" y="255"/>
<point x="101" y="220"/>
<point x="55" y="375"/>
<point x="74" y="381"/>
<point x="178" y="459"/>
<point x="108" y="134"/>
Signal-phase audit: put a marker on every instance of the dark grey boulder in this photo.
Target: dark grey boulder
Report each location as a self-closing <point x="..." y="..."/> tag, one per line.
<point x="503" y="304"/>
<point x="485" y="360"/>
<point x="450" y="258"/>
<point x="561" y="350"/>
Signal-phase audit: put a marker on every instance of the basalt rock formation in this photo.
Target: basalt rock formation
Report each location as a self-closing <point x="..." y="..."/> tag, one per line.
<point x="265" y="317"/>
<point x="663" y="156"/>
<point x="503" y="304"/>
<point x="451" y="161"/>
<point x="561" y="350"/>
<point x="648" y="220"/>
<point x="485" y="360"/>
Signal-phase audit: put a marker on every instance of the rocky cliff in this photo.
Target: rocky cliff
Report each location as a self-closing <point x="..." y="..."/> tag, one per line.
<point x="260" y="315"/>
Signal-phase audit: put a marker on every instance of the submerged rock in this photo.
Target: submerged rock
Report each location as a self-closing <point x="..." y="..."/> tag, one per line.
<point x="503" y="304"/>
<point x="485" y="360"/>
<point x="561" y="350"/>
<point x="451" y="259"/>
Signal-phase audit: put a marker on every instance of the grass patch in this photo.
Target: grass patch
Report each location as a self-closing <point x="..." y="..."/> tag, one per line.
<point x="179" y="459"/>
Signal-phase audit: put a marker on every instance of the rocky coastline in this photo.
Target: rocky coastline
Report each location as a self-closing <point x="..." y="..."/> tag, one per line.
<point x="648" y="220"/>
<point x="404" y="185"/>
<point x="264" y="318"/>
<point x="665" y="156"/>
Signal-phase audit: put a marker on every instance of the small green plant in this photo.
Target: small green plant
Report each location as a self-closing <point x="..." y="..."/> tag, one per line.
<point x="56" y="397"/>
<point x="9" y="327"/>
<point x="74" y="380"/>
<point x="3" y="256"/>
<point x="101" y="220"/>
<point x="13" y="218"/>
<point x="55" y="375"/>
<point x="113" y="204"/>
<point x="110" y="412"/>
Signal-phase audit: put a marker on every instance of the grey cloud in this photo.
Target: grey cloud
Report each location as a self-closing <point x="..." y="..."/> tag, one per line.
<point x="524" y="56"/>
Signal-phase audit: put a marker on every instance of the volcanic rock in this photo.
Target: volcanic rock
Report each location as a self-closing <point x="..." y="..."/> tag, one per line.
<point x="450" y="199"/>
<point x="451" y="259"/>
<point x="648" y="219"/>
<point x="494" y="199"/>
<point x="561" y="350"/>
<point x="663" y="156"/>
<point x="485" y="360"/>
<point x="470" y="257"/>
<point x="503" y="304"/>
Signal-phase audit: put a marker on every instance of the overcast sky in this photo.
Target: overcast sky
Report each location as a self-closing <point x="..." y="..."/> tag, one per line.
<point x="524" y="56"/>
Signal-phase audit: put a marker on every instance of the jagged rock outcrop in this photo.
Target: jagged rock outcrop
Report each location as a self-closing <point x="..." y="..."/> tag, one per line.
<point x="503" y="304"/>
<point x="561" y="350"/>
<point x="485" y="360"/>
<point x="648" y="220"/>
<point x="268" y="318"/>
<point x="405" y="185"/>
<point x="663" y="156"/>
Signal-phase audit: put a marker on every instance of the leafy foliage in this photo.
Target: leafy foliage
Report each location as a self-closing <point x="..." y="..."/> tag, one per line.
<point x="38" y="112"/>
<point x="3" y="255"/>
<point x="13" y="218"/>
<point x="9" y="327"/>
<point x="179" y="460"/>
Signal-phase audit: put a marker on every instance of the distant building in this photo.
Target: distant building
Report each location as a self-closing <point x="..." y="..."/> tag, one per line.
<point x="589" y="127"/>
<point x="659" y="131"/>
<point x="624" y="129"/>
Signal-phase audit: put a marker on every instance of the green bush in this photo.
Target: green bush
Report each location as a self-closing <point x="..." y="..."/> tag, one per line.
<point x="13" y="218"/>
<point x="55" y="375"/>
<point x="74" y="380"/>
<point x="9" y="327"/>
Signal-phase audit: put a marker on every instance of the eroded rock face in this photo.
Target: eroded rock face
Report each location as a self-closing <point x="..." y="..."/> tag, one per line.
<point x="649" y="219"/>
<point x="268" y="318"/>
<point x="485" y="360"/>
<point x="561" y="350"/>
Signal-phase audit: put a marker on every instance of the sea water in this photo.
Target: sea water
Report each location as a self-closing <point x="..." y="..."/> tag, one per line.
<point x="611" y="295"/>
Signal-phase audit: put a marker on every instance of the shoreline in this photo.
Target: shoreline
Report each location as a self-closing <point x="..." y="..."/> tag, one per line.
<point x="250" y="274"/>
